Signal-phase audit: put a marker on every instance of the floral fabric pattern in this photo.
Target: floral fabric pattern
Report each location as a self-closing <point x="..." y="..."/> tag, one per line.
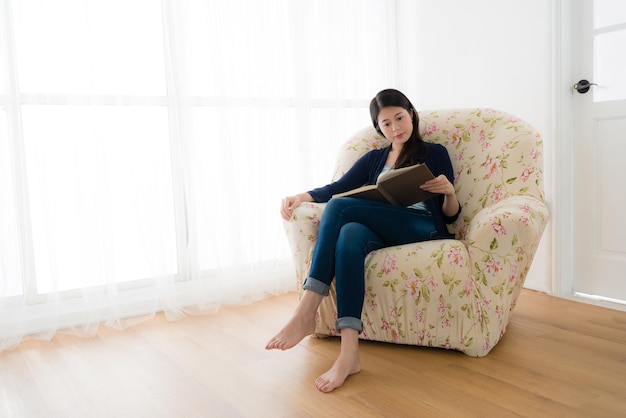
<point x="456" y="294"/>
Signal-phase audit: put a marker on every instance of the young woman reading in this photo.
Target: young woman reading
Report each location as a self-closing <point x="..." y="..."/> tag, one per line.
<point x="351" y="228"/>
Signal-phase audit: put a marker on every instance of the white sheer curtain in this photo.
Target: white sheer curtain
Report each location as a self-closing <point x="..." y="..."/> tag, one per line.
<point x="145" y="146"/>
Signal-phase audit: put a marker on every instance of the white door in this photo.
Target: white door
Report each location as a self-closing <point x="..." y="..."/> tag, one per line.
<point x="599" y="149"/>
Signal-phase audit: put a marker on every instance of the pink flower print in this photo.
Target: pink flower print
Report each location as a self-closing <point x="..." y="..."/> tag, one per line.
<point x="432" y="284"/>
<point x="534" y="154"/>
<point x="430" y="128"/>
<point x="376" y="143"/>
<point x="455" y="136"/>
<point x="413" y="286"/>
<point x="441" y="307"/>
<point x="514" y="120"/>
<point x="524" y="220"/>
<point x="482" y="140"/>
<point x="389" y="264"/>
<point x="385" y="325"/>
<point x="492" y="166"/>
<point x="513" y="273"/>
<point x="455" y="257"/>
<point x="499" y="313"/>
<point x="395" y="334"/>
<point x="457" y="175"/>
<point x="526" y="174"/>
<point x="373" y="304"/>
<point x="473" y="127"/>
<point x="505" y="147"/>
<point x="469" y="286"/>
<point x="493" y="267"/>
<point x="393" y="313"/>
<point x="496" y="224"/>
<point x="419" y="317"/>
<point x="486" y="345"/>
<point x="496" y="194"/>
<point x="446" y="323"/>
<point x="315" y="220"/>
<point x="525" y="208"/>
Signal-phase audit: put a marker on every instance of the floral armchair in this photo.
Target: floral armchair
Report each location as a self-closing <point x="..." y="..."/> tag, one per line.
<point x="455" y="294"/>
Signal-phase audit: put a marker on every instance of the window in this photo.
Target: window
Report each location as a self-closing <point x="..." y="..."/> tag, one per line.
<point x="609" y="40"/>
<point x="147" y="144"/>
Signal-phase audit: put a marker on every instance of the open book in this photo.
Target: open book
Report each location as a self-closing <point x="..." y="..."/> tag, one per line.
<point x="399" y="187"/>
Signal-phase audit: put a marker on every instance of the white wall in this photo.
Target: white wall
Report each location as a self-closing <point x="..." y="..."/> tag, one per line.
<point x="485" y="53"/>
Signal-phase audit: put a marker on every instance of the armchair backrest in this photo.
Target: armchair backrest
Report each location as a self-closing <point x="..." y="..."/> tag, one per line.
<point x="495" y="155"/>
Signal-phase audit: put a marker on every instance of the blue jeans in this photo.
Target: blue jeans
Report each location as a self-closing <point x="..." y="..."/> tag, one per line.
<point x="349" y="230"/>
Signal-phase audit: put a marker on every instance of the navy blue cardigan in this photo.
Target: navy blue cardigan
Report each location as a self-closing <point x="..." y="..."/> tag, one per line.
<point x="367" y="169"/>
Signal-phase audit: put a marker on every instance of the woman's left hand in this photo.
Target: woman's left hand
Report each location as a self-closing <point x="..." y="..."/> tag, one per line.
<point x="439" y="185"/>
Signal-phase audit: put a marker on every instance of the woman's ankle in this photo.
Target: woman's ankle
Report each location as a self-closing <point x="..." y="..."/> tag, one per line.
<point x="309" y="303"/>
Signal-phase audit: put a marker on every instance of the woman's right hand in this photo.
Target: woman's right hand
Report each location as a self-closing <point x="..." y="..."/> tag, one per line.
<point x="290" y="203"/>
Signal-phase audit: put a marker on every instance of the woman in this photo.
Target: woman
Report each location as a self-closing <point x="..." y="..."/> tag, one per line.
<point x="351" y="228"/>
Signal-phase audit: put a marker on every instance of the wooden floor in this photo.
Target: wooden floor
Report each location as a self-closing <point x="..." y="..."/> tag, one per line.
<point x="558" y="359"/>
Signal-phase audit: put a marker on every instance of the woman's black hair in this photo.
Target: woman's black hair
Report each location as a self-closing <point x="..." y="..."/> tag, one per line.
<point x="415" y="149"/>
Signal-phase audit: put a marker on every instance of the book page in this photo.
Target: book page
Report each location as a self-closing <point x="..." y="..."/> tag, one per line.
<point x="370" y="192"/>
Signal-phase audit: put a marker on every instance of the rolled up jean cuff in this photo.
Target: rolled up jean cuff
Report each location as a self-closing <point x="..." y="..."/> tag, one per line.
<point x="316" y="286"/>
<point x="349" y="322"/>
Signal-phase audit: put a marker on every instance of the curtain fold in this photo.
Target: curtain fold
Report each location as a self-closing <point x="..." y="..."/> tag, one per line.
<point x="145" y="147"/>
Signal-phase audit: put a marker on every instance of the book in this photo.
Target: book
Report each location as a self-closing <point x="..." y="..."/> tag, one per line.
<point x="399" y="187"/>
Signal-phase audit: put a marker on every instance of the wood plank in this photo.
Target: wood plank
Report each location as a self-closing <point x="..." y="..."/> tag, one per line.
<point x="558" y="357"/>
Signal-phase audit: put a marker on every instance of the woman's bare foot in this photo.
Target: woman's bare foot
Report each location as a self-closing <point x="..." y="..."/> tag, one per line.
<point x="296" y="329"/>
<point x="300" y="325"/>
<point x="347" y="364"/>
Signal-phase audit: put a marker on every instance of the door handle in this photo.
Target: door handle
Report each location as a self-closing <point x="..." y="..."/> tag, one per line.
<point x="583" y="86"/>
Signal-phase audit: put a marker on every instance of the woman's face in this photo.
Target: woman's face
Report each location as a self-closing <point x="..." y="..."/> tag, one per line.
<point x="396" y="123"/>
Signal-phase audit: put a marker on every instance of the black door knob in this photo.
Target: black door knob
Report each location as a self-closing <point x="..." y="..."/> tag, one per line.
<point x="583" y="86"/>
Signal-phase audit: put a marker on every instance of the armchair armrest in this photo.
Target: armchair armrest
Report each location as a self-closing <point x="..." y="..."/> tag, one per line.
<point x="301" y="232"/>
<point x="502" y="240"/>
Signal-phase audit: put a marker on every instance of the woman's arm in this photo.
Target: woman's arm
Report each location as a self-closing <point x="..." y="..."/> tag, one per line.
<point x="439" y="163"/>
<point x="363" y="171"/>
<point x="356" y="176"/>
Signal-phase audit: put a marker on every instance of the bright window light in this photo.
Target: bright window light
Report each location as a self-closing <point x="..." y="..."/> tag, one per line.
<point x="112" y="47"/>
<point x="101" y="194"/>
